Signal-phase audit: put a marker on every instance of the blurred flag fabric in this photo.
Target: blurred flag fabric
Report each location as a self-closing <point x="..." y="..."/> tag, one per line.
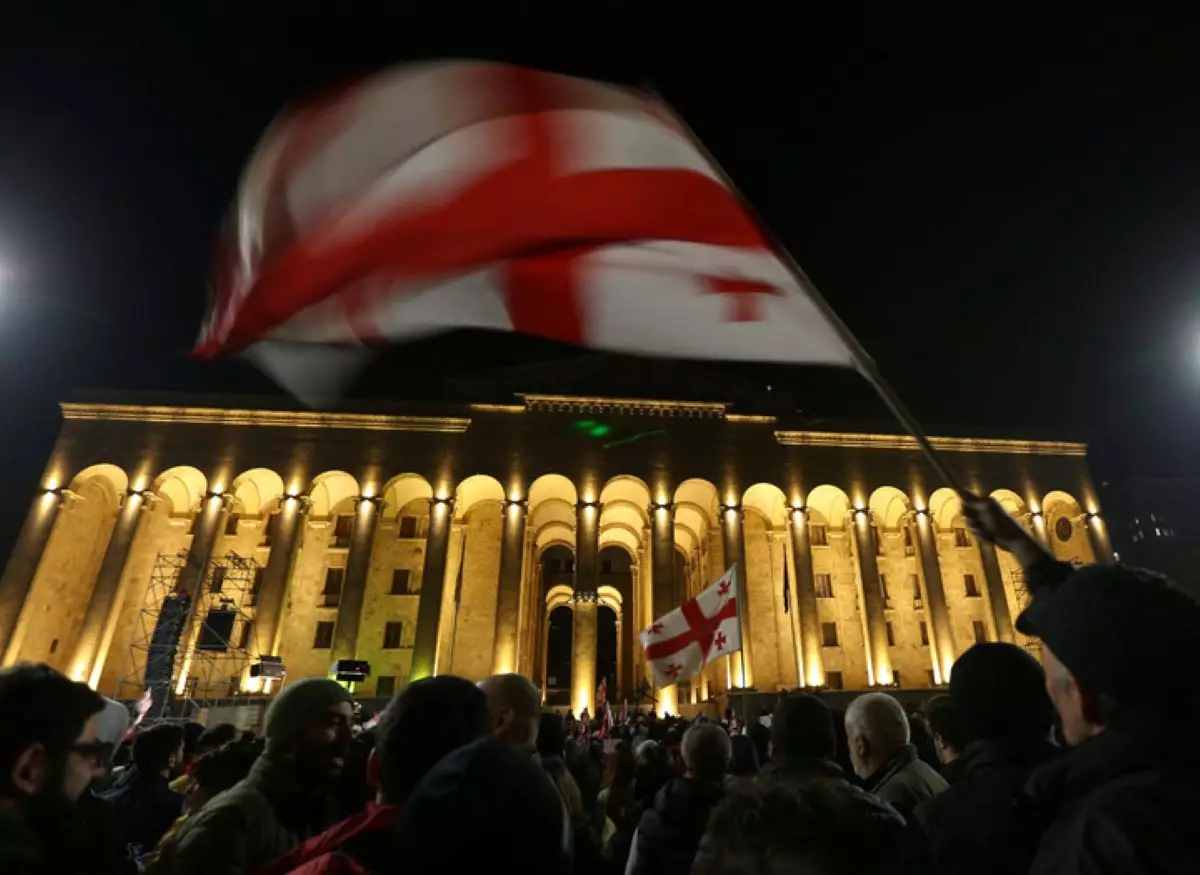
<point x="464" y="194"/>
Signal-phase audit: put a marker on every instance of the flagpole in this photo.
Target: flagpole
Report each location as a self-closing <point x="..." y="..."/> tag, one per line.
<point x="867" y="368"/>
<point x="862" y="361"/>
<point x="737" y="583"/>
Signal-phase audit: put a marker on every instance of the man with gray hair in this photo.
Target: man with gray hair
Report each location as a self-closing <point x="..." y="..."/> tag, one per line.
<point x="515" y="713"/>
<point x="877" y="733"/>
<point x="514" y="709"/>
<point x="669" y="834"/>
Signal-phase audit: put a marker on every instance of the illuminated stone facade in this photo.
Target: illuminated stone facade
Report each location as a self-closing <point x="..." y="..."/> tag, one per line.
<point x="426" y="542"/>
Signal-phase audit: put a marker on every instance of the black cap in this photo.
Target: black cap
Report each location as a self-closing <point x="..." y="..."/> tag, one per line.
<point x="1125" y="632"/>
<point x="802" y="726"/>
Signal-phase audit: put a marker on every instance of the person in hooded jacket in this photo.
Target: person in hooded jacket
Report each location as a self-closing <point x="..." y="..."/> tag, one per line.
<point x="669" y="834"/>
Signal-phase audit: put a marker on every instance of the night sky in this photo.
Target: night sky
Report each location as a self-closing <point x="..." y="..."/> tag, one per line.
<point x="1005" y="212"/>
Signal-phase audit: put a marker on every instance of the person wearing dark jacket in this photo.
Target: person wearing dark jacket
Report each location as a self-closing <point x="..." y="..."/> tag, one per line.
<point x="146" y="807"/>
<point x="814" y="826"/>
<point x="485" y="807"/>
<point x="428" y="720"/>
<point x="670" y="832"/>
<point x="948" y="743"/>
<point x="652" y="771"/>
<point x="50" y="753"/>
<point x="106" y="846"/>
<point x="284" y="800"/>
<point x="803" y="741"/>
<point x="878" y="732"/>
<point x="1002" y="717"/>
<point x="1122" y="798"/>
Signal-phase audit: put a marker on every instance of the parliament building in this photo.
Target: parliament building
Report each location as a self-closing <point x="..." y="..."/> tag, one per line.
<point x="194" y="544"/>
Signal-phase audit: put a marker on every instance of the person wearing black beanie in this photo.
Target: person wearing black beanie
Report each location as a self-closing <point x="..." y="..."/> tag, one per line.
<point x="803" y="740"/>
<point x="1118" y="645"/>
<point x="1003" y="715"/>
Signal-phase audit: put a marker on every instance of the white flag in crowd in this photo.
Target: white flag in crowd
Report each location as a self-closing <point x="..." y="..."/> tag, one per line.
<point x="702" y="629"/>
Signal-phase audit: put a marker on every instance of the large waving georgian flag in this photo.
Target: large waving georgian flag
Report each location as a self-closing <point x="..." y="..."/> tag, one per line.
<point x="700" y="630"/>
<point x="470" y="194"/>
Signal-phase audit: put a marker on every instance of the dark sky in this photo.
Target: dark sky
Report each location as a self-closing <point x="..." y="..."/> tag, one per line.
<point x="1005" y="212"/>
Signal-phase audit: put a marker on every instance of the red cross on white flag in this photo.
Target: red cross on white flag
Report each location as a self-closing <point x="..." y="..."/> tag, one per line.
<point x="478" y="195"/>
<point x="700" y="630"/>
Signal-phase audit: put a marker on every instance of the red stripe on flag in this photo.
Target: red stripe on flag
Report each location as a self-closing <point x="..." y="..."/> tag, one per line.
<point x="543" y="297"/>
<point x="507" y="215"/>
<point x="743" y="296"/>
<point x="701" y="630"/>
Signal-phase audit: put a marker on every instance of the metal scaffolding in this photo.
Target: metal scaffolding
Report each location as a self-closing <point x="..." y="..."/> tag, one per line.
<point x="189" y="648"/>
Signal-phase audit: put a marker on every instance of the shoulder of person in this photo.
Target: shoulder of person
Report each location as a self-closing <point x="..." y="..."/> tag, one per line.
<point x="222" y="818"/>
<point x="210" y="842"/>
<point x="930" y="775"/>
<point x="1141" y="797"/>
<point x="333" y="863"/>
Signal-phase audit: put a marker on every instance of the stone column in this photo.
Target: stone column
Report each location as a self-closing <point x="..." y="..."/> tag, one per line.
<point x="941" y="638"/>
<point x="433" y="580"/>
<point x="542" y="657"/>
<point x="354" y="585"/>
<point x="997" y="601"/>
<point x="742" y="663"/>
<point x="583" y="656"/>
<point x="209" y="522"/>
<point x="23" y="564"/>
<point x="286" y="540"/>
<point x="451" y="599"/>
<point x="1098" y="537"/>
<point x="102" y="613"/>
<point x="160" y="658"/>
<point x="532" y="629"/>
<point x="620" y="685"/>
<point x="876" y="639"/>
<point x="662" y="579"/>
<point x="587" y="579"/>
<point x="508" y="598"/>
<point x="637" y="673"/>
<point x="809" y="618"/>
<point x="525" y="617"/>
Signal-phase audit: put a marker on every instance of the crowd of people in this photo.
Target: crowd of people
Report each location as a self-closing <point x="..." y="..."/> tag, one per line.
<point x="1079" y="764"/>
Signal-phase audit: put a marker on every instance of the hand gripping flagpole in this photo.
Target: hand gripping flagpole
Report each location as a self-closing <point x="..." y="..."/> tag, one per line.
<point x="863" y="363"/>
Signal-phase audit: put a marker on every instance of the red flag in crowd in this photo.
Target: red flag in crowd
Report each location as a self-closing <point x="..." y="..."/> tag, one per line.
<point x="471" y="194"/>
<point x="702" y="629"/>
<point x="602" y="695"/>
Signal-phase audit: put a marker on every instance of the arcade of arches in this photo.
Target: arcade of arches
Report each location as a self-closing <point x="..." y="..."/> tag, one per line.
<point x="552" y="578"/>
